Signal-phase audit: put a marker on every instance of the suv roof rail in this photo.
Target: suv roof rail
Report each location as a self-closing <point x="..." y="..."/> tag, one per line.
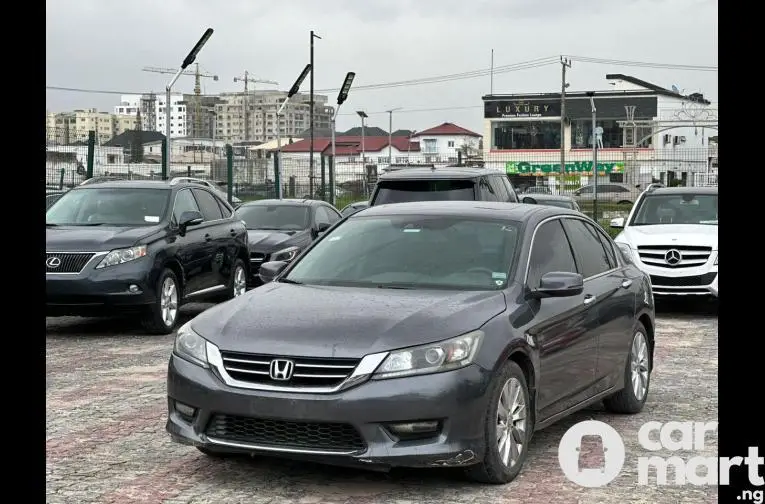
<point x="178" y="180"/>
<point x="652" y="187"/>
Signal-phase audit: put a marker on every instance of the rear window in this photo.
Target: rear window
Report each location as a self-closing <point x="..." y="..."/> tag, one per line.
<point x="403" y="191"/>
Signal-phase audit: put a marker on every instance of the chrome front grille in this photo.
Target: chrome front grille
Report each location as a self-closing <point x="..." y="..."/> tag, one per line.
<point x="66" y="262"/>
<point x="305" y="371"/>
<point x="689" y="256"/>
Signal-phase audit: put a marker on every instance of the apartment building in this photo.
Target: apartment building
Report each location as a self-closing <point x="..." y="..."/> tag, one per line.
<point x="66" y="128"/>
<point x="152" y="108"/>
<point x="261" y="106"/>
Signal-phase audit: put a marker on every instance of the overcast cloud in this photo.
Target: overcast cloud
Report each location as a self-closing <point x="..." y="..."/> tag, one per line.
<point x="103" y="44"/>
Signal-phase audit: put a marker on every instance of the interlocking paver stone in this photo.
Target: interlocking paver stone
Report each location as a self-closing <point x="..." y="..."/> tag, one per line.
<point x="106" y="441"/>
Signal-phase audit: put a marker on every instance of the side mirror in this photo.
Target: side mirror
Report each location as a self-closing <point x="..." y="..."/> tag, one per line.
<point x="270" y="270"/>
<point x="321" y="228"/>
<point x="189" y="218"/>
<point x="617" y="223"/>
<point x="529" y="200"/>
<point x="559" y="284"/>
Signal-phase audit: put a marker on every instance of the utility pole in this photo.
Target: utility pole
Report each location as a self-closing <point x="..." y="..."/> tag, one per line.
<point x="565" y="63"/>
<point x="310" y="118"/>
<point x="594" y="156"/>
<point x="491" y="88"/>
<point x="390" y="135"/>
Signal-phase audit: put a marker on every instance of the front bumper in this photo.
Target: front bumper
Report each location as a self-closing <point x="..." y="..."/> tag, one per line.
<point x="99" y="291"/>
<point x="457" y="400"/>
<point x="699" y="280"/>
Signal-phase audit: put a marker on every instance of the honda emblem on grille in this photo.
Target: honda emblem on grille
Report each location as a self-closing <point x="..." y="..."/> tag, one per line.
<point x="281" y="369"/>
<point x="673" y="257"/>
<point x="53" y="262"/>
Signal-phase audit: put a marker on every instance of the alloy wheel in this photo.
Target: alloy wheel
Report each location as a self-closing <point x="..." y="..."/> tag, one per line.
<point x="639" y="366"/>
<point x="168" y="302"/>
<point x="240" y="281"/>
<point x="511" y="422"/>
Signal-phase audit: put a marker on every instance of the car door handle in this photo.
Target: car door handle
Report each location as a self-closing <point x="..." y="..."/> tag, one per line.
<point x="588" y="299"/>
<point x="208" y="237"/>
<point x="626" y="284"/>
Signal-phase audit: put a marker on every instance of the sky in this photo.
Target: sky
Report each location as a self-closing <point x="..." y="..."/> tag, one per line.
<point x="104" y="44"/>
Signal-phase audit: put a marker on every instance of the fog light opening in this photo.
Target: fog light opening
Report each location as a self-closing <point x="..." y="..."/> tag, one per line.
<point x="134" y="289"/>
<point x="185" y="411"/>
<point x="423" y="429"/>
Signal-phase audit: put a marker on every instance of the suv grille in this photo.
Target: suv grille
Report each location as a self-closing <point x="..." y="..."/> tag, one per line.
<point x="690" y="256"/>
<point x="264" y="431"/>
<point x="307" y="372"/>
<point x="69" y="262"/>
<point x="684" y="281"/>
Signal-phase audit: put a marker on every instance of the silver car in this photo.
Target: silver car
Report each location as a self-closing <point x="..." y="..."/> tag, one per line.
<point x="609" y="191"/>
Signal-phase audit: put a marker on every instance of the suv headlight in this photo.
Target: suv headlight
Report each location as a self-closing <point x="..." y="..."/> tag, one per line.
<point x="433" y="358"/>
<point x="191" y="346"/>
<point x="626" y="250"/>
<point x="285" y="255"/>
<point x="120" y="256"/>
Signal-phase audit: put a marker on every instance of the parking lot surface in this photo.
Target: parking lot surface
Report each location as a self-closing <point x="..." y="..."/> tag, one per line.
<point x="106" y="442"/>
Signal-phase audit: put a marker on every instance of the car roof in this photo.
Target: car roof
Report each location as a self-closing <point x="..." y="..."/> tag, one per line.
<point x="284" y="202"/>
<point x="549" y="197"/>
<point x="131" y="184"/>
<point x="449" y="172"/>
<point x="683" y="190"/>
<point x="509" y="211"/>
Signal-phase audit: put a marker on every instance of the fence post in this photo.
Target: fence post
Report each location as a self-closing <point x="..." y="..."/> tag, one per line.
<point x="277" y="179"/>
<point x="164" y="159"/>
<point x="331" y="180"/>
<point x="459" y="158"/>
<point x="324" y="177"/>
<point x="230" y="172"/>
<point x="91" y="153"/>
<point x="61" y="179"/>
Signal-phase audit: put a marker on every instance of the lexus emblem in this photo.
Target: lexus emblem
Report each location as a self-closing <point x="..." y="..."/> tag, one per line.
<point x="281" y="369"/>
<point x="53" y="262"/>
<point x="672" y="257"/>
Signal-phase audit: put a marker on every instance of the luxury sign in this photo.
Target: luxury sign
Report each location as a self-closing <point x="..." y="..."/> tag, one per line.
<point x="574" y="168"/>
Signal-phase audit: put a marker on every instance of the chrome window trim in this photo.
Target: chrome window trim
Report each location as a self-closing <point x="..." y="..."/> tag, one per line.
<point x="363" y="371"/>
<point x="586" y="220"/>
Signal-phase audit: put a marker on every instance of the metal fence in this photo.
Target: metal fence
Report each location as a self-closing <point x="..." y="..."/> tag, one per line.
<point x="622" y="173"/>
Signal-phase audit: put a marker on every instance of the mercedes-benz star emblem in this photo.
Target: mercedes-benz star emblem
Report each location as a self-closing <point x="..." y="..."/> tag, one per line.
<point x="281" y="369"/>
<point x="672" y="257"/>
<point x="53" y="262"/>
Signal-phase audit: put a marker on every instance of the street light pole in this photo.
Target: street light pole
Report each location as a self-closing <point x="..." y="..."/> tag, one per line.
<point x="363" y="116"/>
<point x="390" y="135"/>
<point x="341" y="97"/>
<point x="292" y="92"/>
<point x="214" y="127"/>
<point x="169" y="87"/>
<point x="594" y="156"/>
<point x="310" y="119"/>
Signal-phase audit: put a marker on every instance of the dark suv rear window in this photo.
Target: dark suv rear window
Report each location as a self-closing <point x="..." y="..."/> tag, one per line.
<point x="403" y="191"/>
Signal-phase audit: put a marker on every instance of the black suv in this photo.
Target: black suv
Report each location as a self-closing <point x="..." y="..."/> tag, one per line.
<point x="442" y="184"/>
<point x="278" y="230"/>
<point x="145" y="246"/>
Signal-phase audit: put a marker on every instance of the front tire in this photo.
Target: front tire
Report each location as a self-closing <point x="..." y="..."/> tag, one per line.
<point x="162" y="315"/>
<point x="637" y="376"/>
<point x="507" y="428"/>
<point x="238" y="285"/>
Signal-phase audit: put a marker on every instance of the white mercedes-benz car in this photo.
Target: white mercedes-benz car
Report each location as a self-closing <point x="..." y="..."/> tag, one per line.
<point x="671" y="234"/>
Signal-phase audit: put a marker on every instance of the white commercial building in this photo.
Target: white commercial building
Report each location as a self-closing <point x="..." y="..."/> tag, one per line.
<point x="152" y="108"/>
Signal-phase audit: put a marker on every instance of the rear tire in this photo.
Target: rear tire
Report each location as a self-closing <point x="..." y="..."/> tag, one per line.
<point x="637" y="376"/>
<point x="510" y="390"/>
<point x="162" y="315"/>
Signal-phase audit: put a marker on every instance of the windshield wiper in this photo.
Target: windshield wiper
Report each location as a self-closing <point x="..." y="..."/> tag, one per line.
<point x="288" y="281"/>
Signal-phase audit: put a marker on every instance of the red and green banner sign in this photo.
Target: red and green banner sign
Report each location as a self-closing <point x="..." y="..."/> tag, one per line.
<point x="574" y="168"/>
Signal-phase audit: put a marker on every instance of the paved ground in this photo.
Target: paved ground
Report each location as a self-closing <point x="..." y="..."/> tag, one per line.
<point x="106" y="440"/>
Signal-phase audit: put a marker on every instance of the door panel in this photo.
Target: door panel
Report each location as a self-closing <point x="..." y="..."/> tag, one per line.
<point x="214" y="239"/>
<point x="190" y="247"/>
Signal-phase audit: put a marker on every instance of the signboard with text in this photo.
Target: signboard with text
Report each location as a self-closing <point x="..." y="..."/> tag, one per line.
<point x="504" y="109"/>
<point x="573" y="168"/>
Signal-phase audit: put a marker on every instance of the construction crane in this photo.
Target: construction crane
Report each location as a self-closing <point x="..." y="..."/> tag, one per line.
<point x="197" y="90"/>
<point x="247" y="79"/>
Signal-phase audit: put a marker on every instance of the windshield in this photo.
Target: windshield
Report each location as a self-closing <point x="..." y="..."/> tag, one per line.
<point x="412" y="251"/>
<point x="98" y="206"/>
<point x="281" y="217"/>
<point x="403" y="191"/>
<point x="685" y="208"/>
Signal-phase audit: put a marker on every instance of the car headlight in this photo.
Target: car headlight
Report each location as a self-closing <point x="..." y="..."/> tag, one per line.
<point x="285" y="255"/>
<point x="434" y="358"/>
<point x="120" y="256"/>
<point x="626" y="250"/>
<point x="190" y="346"/>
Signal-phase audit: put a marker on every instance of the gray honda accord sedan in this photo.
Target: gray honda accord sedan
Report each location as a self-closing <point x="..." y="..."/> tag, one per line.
<point x="438" y="334"/>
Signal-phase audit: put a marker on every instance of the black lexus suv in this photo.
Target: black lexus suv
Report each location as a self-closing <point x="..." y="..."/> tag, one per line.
<point x="454" y="183"/>
<point x="279" y="230"/>
<point x="142" y="246"/>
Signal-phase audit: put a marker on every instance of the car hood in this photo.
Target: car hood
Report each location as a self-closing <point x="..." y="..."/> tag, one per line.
<point x="303" y="320"/>
<point x="94" y="239"/>
<point x="270" y="241"/>
<point x="669" y="234"/>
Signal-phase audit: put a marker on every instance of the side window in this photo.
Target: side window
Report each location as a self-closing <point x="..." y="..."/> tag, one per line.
<point x="487" y="193"/>
<point x="331" y="214"/>
<point x="499" y="187"/>
<point x="322" y="216"/>
<point x="586" y="190"/>
<point x="512" y="195"/>
<point x="550" y="252"/>
<point x="184" y="202"/>
<point x="208" y="205"/>
<point x="589" y="250"/>
<point x="224" y="208"/>
<point x="609" y="248"/>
